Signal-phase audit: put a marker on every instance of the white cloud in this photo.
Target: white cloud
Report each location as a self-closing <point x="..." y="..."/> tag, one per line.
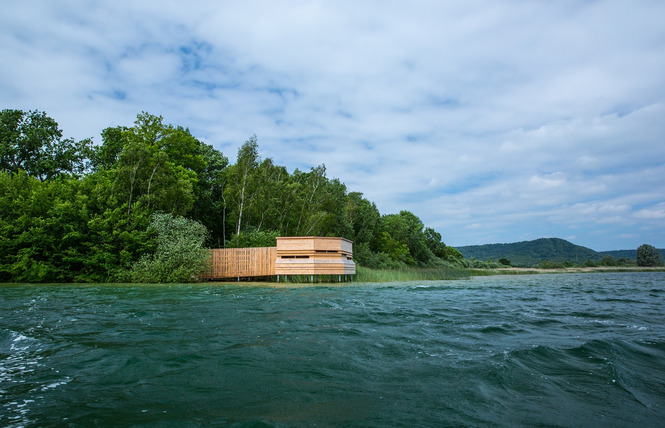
<point x="655" y="212"/>
<point x="555" y="179"/>
<point x="526" y="119"/>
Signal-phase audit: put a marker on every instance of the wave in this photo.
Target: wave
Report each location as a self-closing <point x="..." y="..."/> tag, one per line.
<point x="628" y="376"/>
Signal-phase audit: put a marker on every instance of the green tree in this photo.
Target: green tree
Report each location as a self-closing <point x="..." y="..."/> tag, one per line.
<point x="311" y="199"/>
<point x="180" y="255"/>
<point x="242" y="179"/>
<point x="434" y="243"/>
<point x="33" y="142"/>
<point x="255" y="238"/>
<point x="210" y="207"/>
<point x="648" y="256"/>
<point x="106" y="155"/>
<point x="66" y="230"/>
<point x="334" y="221"/>
<point x="396" y="250"/>
<point x="44" y="229"/>
<point x="158" y="166"/>
<point x="363" y="217"/>
<point x="267" y="204"/>
<point x="407" y="229"/>
<point x="608" y="260"/>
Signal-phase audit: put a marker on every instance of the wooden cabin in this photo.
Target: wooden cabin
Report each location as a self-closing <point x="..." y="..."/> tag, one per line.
<point x="302" y="255"/>
<point x="314" y="256"/>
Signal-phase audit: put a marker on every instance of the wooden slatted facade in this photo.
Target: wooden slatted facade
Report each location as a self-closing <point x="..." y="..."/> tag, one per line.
<point x="307" y="255"/>
<point x="241" y="262"/>
<point x="310" y="255"/>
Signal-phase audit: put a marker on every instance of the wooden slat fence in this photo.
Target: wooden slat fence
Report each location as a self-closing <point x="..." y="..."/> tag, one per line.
<point x="242" y="262"/>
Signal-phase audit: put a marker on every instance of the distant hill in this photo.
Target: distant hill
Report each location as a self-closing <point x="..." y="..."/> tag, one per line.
<point x="531" y="253"/>
<point x="629" y="254"/>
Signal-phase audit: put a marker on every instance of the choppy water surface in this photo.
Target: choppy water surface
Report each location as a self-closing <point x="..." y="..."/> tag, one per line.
<point x="555" y="350"/>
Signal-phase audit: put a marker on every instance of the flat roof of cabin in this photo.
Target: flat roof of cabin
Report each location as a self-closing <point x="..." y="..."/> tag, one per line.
<point x="302" y="238"/>
<point x="313" y="244"/>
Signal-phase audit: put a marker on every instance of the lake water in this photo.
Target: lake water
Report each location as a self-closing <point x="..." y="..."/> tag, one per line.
<point x="541" y="350"/>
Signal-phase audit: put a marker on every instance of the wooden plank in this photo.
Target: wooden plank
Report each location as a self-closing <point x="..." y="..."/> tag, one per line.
<point x="241" y="262"/>
<point x="310" y="255"/>
<point x="310" y="243"/>
<point x="315" y="267"/>
<point x="307" y="255"/>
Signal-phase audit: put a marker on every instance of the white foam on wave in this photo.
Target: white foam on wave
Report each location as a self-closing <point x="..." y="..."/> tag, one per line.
<point x="20" y="342"/>
<point x="24" y="360"/>
<point x="54" y="385"/>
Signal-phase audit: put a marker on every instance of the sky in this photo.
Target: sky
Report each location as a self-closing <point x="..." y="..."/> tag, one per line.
<point x="493" y="121"/>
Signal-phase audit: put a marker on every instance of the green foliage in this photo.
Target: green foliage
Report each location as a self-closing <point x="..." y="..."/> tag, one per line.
<point x="649" y="256"/>
<point x="623" y="261"/>
<point x="106" y="156"/>
<point x="479" y="264"/>
<point x="255" y="238"/>
<point x="608" y="260"/>
<point x="362" y="216"/>
<point x="158" y="166"/>
<point x="532" y="253"/>
<point x="210" y="206"/>
<point x="403" y="239"/>
<point x="504" y="261"/>
<point x="64" y="230"/>
<point x="434" y="243"/>
<point x="396" y="250"/>
<point x="73" y="212"/>
<point x="453" y="254"/>
<point x="242" y="179"/>
<point x="364" y="274"/>
<point x="548" y="264"/>
<point x="180" y="255"/>
<point x="32" y="142"/>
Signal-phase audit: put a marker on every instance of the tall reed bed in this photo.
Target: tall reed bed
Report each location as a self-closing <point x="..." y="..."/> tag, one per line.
<point x="364" y="274"/>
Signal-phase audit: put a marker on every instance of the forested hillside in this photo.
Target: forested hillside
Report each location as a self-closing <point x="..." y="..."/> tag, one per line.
<point x="78" y="211"/>
<point x="548" y="250"/>
<point x="532" y="253"/>
<point x="628" y="254"/>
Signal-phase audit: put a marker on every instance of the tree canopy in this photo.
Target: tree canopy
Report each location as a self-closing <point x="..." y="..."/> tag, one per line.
<point x="32" y="142"/>
<point x="649" y="256"/>
<point x="75" y="211"/>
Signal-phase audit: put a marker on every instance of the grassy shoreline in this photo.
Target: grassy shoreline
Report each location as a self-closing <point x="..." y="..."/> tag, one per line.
<point x="364" y="274"/>
<point x="368" y="275"/>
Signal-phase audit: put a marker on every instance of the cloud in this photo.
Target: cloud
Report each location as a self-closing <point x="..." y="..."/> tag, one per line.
<point x="519" y="119"/>
<point x="655" y="212"/>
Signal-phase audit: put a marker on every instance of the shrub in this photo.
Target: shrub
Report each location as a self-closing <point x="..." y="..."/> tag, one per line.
<point x="180" y="255"/>
<point x="548" y="264"/>
<point x="608" y="260"/>
<point x="648" y="256"/>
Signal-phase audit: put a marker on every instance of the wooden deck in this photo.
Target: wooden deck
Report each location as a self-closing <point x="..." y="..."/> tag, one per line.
<point x="307" y="255"/>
